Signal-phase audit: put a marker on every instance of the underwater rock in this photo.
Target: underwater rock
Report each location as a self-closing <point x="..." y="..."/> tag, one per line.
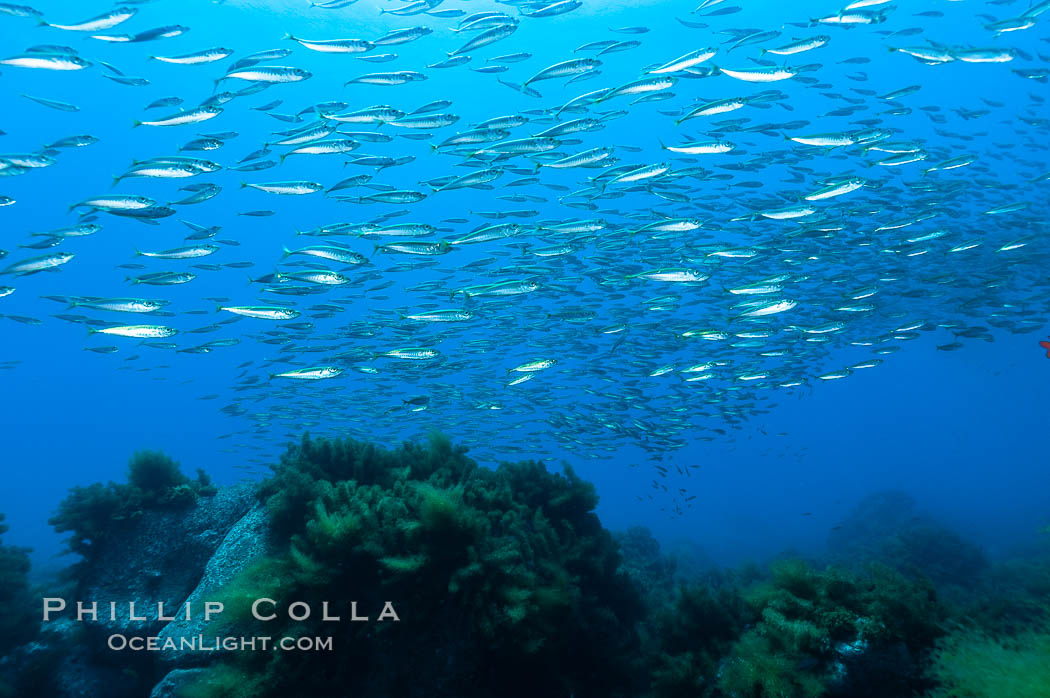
<point x="875" y="519"/>
<point x="889" y="528"/>
<point x="509" y="583"/>
<point x="159" y="557"/>
<point x="59" y="664"/>
<point x="874" y="672"/>
<point x="173" y="685"/>
<point x="244" y="544"/>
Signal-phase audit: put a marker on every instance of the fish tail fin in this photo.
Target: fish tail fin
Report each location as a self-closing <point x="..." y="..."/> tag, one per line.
<point x="138" y="252"/>
<point x="116" y="181"/>
<point x="285" y="252"/>
<point x="135" y="123"/>
<point x="287" y="37"/>
<point x="244" y="185"/>
<point x="42" y="23"/>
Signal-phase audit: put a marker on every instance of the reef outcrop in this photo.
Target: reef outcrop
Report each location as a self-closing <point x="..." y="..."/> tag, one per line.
<point x="416" y="572"/>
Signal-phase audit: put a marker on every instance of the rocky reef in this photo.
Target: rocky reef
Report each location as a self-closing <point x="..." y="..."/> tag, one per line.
<point x="504" y="579"/>
<point x="147" y="541"/>
<point x="415" y="571"/>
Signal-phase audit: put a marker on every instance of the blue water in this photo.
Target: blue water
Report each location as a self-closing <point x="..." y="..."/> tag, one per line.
<point x="963" y="430"/>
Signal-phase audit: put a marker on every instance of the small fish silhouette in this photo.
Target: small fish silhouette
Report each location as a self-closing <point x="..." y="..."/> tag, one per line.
<point x="1046" y="345"/>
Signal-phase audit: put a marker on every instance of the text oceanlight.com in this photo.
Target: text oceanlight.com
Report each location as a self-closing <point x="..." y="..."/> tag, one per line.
<point x="199" y="643"/>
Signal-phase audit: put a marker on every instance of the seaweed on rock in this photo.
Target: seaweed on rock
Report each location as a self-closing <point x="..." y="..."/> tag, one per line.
<point x="693" y="633"/>
<point x="888" y="527"/>
<point x="19" y="624"/>
<point x="647" y="566"/>
<point x="504" y="582"/>
<point x="797" y="632"/>
<point x="18" y="621"/>
<point x="970" y="663"/>
<point x="808" y="626"/>
<point x="154" y="481"/>
<point x="507" y="578"/>
<point x="1011" y="598"/>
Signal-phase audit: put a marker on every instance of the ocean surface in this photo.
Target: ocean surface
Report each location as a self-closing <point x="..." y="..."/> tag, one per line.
<point x="740" y="265"/>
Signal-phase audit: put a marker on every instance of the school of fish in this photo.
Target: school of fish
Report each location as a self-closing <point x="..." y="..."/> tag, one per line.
<point x="642" y="241"/>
